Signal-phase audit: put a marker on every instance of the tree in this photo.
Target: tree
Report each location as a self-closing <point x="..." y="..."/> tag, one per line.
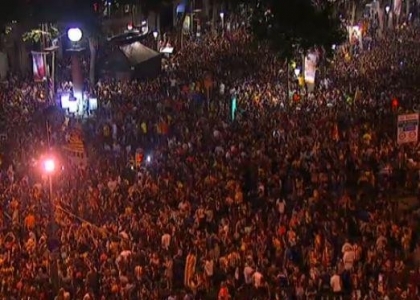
<point x="37" y="34"/>
<point x="298" y="25"/>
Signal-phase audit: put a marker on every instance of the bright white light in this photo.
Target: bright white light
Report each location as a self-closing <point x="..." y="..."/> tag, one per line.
<point x="74" y="34"/>
<point x="130" y="27"/>
<point x="222" y="15"/>
<point x="387" y="9"/>
<point x="297" y="72"/>
<point x="78" y="95"/>
<point x="149" y="158"/>
<point x="93" y="104"/>
<point x="334" y="47"/>
<point x="65" y="98"/>
<point x="155" y="34"/>
<point x="49" y="166"/>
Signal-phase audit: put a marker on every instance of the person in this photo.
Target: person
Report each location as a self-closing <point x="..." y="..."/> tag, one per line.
<point x="336" y="285"/>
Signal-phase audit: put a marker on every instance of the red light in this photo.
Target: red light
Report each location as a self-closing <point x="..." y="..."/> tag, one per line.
<point x="394" y="103"/>
<point x="139" y="158"/>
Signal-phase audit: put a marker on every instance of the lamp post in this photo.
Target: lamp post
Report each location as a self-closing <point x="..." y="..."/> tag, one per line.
<point x="52" y="50"/>
<point x="388" y="16"/>
<point x="222" y="17"/>
<point x="53" y="242"/>
<point x="75" y="35"/>
<point x="155" y="35"/>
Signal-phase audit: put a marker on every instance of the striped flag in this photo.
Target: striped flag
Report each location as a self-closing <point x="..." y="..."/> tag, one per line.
<point x="38" y="66"/>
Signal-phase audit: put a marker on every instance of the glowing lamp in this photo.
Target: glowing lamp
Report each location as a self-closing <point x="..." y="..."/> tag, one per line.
<point x="130" y="26"/>
<point x="394" y="103"/>
<point x="155" y="34"/>
<point x="74" y="34"/>
<point x="297" y="72"/>
<point x="222" y="15"/>
<point x="49" y="165"/>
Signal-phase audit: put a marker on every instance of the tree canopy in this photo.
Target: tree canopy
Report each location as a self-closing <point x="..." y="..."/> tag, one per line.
<point x="291" y="26"/>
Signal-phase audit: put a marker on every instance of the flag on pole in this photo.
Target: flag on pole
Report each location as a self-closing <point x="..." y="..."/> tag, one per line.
<point x="38" y="66"/>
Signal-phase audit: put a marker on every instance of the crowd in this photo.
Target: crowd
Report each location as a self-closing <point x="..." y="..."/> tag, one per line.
<point x="290" y="200"/>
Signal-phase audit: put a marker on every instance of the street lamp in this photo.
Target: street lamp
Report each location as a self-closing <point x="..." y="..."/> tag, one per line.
<point x="387" y="9"/>
<point x="222" y="17"/>
<point x="74" y="34"/>
<point x="49" y="167"/>
<point x="297" y="72"/>
<point x="155" y="35"/>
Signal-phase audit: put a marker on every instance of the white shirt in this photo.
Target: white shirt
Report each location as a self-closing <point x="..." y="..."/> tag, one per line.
<point x="222" y="88"/>
<point x="166" y="241"/>
<point x="125" y="253"/>
<point x="257" y="279"/>
<point x="335" y="283"/>
<point x="248" y="271"/>
<point x="281" y="206"/>
<point x="348" y="259"/>
<point x="208" y="267"/>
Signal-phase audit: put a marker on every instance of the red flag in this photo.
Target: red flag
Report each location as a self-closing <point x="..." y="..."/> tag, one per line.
<point x="38" y="66"/>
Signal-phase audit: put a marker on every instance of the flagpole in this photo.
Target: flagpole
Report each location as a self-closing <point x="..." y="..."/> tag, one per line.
<point x="47" y="125"/>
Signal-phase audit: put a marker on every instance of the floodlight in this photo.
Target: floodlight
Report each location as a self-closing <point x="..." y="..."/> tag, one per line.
<point x="74" y="34"/>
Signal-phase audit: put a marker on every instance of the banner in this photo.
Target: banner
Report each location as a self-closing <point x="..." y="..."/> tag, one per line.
<point x="397" y="7"/>
<point x="310" y="68"/>
<point x="38" y="66"/>
<point x="407" y="128"/>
